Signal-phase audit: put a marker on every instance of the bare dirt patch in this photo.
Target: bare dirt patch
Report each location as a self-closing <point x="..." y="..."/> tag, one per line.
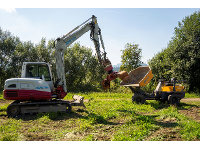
<point x="165" y="134"/>
<point x="190" y="100"/>
<point x="168" y="131"/>
<point x="192" y="113"/>
<point x="5" y="101"/>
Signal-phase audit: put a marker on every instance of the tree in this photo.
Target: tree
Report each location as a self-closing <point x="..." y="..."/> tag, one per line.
<point x="28" y="52"/>
<point x="131" y="57"/>
<point x="8" y="44"/>
<point x="181" y="59"/>
<point x="83" y="72"/>
<point x="187" y="51"/>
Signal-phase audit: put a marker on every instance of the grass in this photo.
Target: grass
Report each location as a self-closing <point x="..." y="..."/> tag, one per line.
<point x="111" y="95"/>
<point x="115" y="118"/>
<point x="1" y="96"/>
<point x="99" y="95"/>
<point x="192" y="95"/>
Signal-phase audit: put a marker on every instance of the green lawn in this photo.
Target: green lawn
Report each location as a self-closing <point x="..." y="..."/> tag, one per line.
<point x="100" y="95"/>
<point x="192" y="95"/>
<point x="1" y="96"/>
<point x="115" y="118"/>
<point x="109" y="95"/>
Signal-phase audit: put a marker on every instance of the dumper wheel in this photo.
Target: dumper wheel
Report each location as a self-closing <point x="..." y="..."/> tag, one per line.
<point x="173" y="99"/>
<point x="12" y="111"/>
<point x="138" y="98"/>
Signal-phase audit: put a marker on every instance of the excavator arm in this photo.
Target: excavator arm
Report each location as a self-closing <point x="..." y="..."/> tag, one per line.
<point x="66" y="40"/>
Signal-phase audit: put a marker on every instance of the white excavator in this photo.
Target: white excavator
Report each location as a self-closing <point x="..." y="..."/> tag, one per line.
<point x="35" y="92"/>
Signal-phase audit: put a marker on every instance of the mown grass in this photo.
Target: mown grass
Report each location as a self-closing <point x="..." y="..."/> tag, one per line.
<point x="192" y="95"/>
<point x="1" y="96"/>
<point x="115" y="118"/>
<point x="110" y="95"/>
<point x="99" y="95"/>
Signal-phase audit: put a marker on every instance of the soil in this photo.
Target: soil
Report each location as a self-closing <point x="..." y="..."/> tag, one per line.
<point x="194" y="111"/>
<point x="4" y="102"/>
<point x="190" y="99"/>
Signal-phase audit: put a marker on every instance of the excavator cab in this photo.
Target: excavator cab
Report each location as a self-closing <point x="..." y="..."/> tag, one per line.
<point x="37" y="70"/>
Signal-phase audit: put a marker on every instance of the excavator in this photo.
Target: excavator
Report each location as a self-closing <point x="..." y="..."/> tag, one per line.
<point x="35" y="92"/>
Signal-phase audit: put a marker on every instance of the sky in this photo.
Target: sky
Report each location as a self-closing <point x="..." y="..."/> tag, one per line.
<point x="151" y="28"/>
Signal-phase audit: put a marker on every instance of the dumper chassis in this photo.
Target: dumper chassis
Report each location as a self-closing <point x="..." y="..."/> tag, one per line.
<point x="171" y="97"/>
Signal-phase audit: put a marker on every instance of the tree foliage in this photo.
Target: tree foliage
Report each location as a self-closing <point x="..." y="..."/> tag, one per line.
<point x="181" y="59"/>
<point x="131" y="57"/>
<point x="8" y="44"/>
<point x="83" y="72"/>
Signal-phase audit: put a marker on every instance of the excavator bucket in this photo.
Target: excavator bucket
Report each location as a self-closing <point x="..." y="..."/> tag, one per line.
<point x="138" y="77"/>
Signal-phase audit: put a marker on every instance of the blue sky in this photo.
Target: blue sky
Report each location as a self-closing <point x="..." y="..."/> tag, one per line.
<point x="151" y="28"/>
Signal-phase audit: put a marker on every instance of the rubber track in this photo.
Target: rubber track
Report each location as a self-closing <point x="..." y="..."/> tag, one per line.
<point x="53" y="102"/>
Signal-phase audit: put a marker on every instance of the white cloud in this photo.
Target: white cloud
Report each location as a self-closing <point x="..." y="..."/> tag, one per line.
<point x="10" y="10"/>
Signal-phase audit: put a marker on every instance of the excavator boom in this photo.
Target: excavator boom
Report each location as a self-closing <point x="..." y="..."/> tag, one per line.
<point x="63" y="42"/>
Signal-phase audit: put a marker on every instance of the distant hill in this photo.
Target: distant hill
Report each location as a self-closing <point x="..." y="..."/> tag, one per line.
<point x="117" y="67"/>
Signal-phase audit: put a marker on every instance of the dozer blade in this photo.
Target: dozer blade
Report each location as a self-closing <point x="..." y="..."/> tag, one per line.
<point x="77" y="101"/>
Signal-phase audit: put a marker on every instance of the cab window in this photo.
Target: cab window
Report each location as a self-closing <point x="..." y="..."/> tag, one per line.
<point x="37" y="70"/>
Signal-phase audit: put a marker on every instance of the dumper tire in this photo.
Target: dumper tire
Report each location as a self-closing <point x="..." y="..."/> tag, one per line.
<point x="138" y="98"/>
<point x="174" y="99"/>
